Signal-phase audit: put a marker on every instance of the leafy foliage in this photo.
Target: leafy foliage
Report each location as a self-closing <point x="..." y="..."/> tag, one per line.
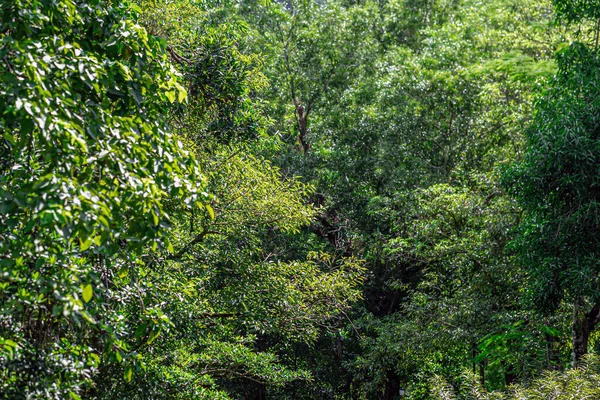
<point x="555" y="185"/>
<point x="348" y="236"/>
<point x="86" y="165"/>
<point x="576" y="383"/>
<point x="235" y="299"/>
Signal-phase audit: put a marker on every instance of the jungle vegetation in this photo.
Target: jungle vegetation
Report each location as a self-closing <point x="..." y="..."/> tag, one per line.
<point x="299" y="199"/>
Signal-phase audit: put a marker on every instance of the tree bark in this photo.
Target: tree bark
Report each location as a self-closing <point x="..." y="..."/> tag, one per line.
<point x="392" y="386"/>
<point x="583" y="324"/>
<point x="482" y="373"/>
<point x="302" y="127"/>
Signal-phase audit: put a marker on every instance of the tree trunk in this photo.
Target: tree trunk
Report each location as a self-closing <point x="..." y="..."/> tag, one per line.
<point x="392" y="386"/>
<point x="509" y="375"/>
<point x="474" y="354"/>
<point x="580" y="332"/>
<point x="482" y="374"/>
<point x="302" y="128"/>
<point x="583" y="324"/>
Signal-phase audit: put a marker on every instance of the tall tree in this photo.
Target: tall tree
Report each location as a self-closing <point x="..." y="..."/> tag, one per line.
<point x="241" y="292"/>
<point x="85" y="165"/>
<point x="556" y="184"/>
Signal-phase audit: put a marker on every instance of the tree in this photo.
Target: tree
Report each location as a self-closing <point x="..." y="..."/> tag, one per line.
<point x="406" y="137"/>
<point x="555" y="183"/>
<point x="239" y="294"/>
<point x="86" y="162"/>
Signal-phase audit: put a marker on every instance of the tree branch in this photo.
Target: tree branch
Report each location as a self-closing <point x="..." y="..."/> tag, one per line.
<point x="177" y="57"/>
<point x="196" y="240"/>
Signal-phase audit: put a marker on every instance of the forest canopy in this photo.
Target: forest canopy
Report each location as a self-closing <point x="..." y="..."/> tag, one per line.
<point x="299" y="199"/>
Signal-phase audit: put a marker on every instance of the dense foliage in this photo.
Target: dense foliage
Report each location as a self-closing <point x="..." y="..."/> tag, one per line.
<point x="86" y="166"/>
<point x="299" y="199"/>
<point x="577" y="383"/>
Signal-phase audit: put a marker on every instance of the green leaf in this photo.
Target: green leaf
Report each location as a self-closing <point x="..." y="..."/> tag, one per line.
<point x="153" y="335"/>
<point x="102" y="219"/>
<point x="85" y="244"/>
<point x="211" y="212"/>
<point x="171" y="95"/>
<point x="88" y="317"/>
<point x="181" y="94"/>
<point x="74" y="396"/>
<point x="128" y="373"/>
<point x="88" y="292"/>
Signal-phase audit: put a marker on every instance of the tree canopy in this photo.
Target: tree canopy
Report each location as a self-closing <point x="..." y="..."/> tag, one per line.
<point x="299" y="199"/>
